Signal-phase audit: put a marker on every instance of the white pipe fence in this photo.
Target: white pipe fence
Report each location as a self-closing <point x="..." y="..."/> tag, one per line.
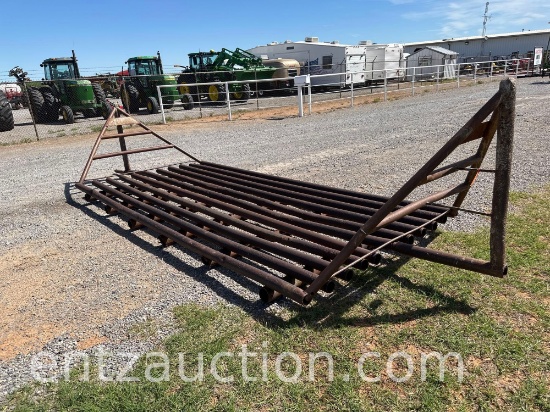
<point x="344" y="83"/>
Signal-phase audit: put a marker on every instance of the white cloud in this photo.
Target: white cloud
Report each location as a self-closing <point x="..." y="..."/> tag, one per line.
<point x="465" y="18"/>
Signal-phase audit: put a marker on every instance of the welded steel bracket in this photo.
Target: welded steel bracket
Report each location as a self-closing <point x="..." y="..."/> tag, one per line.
<point x="295" y="238"/>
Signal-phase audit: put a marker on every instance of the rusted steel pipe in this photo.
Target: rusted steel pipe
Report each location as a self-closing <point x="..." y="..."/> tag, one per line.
<point x="290" y="188"/>
<point x="304" y="229"/>
<point x="235" y="265"/>
<point x="330" y="189"/>
<point x="301" y="209"/>
<point x="308" y="202"/>
<point x="271" y="261"/>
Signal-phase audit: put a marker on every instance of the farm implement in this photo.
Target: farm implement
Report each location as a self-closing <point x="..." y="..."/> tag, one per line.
<point x="296" y="238"/>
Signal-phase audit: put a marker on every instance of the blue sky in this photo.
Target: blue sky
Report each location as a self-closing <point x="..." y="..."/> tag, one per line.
<point x="105" y="33"/>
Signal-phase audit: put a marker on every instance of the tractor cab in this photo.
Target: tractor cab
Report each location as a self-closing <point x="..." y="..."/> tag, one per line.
<point x="144" y="66"/>
<point x="203" y="61"/>
<point x="59" y="69"/>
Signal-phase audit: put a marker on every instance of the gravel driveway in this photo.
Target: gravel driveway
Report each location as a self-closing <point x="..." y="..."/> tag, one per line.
<point x="72" y="278"/>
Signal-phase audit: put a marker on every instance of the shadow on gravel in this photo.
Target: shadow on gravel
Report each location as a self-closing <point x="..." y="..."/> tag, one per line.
<point x="327" y="311"/>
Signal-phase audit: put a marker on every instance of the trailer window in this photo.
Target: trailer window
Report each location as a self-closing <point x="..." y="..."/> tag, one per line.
<point x="327" y="62"/>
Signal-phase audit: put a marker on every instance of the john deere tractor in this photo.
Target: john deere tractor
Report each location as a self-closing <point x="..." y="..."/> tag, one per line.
<point x="63" y="92"/>
<point x="139" y="89"/>
<point x="220" y="67"/>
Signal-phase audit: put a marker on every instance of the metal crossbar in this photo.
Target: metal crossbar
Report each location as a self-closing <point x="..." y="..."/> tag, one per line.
<point x="295" y="238"/>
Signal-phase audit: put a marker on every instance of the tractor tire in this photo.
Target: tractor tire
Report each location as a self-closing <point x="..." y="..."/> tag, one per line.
<point x="6" y="115"/>
<point x="68" y="115"/>
<point x="130" y="97"/>
<point x="184" y="80"/>
<point x="216" y="93"/>
<point x="37" y="105"/>
<point x="242" y="95"/>
<point x="107" y="108"/>
<point x="98" y="93"/>
<point x="152" y="105"/>
<point x="188" y="103"/>
<point x="51" y="105"/>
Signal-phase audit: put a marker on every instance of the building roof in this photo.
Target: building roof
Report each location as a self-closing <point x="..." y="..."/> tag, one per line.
<point x="489" y="36"/>
<point x="441" y="50"/>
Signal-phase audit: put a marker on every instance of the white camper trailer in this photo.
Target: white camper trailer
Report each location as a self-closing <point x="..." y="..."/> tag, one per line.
<point x="348" y="63"/>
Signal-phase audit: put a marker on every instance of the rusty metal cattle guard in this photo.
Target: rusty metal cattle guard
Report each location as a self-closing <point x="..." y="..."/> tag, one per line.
<point x="294" y="237"/>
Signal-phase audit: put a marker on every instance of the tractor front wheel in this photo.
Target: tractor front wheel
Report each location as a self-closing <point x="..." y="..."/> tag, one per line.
<point x="152" y="105"/>
<point x="188" y="103"/>
<point x="68" y="115"/>
<point x="242" y="95"/>
<point x="106" y="108"/>
<point x="130" y="97"/>
<point x="37" y="105"/>
<point x="216" y="93"/>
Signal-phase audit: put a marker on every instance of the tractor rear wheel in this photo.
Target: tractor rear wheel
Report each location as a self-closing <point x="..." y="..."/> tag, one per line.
<point x="6" y="115"/>
<point x="188" y="103"/>
<point x="152" y="105"/>
<point x="216" y="93"/>
<point x="130" y="97"/>
<point x="51" y="105"/>
<point x="36" y="104"/>
<point x="242" y="95"/>
<point x="98" y="93"/>
<point x="68" y="115"/>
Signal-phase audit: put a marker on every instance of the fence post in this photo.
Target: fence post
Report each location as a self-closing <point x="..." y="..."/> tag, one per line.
<point x="300" y="102"/>
<point x="517" y="67"/>
<point x="413" y="79"/>
<point x="228" y="100"/>
<point x="505" y="68"/>
<point x="491" y="71"/>
<point x="437" y="80"/>
<point x="161" y="105"/>
<point x="309" y="96"/>
<point x="458" y="76"/>
<point x="386" y="85"/>
<point x="351" y="89"/>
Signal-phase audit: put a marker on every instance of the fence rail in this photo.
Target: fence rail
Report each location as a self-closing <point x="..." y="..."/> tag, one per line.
<point x="349" y="86"/>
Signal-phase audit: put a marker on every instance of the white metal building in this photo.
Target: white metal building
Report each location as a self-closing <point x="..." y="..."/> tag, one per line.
<point x="424" y="59"/>
<point x="322" y="58"/>
<point x="490" y="47"/>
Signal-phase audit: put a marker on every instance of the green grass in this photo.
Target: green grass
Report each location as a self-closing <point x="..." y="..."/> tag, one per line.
<point x="500" y="327"/>
<point x="21" y="141"/>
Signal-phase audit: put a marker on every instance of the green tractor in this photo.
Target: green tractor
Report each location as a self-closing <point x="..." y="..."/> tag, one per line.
<point x="220" y="67"/>
<point x="63" y="92"/>
<point x="139" y="88"/>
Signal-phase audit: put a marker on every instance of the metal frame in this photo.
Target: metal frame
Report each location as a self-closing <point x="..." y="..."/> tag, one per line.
<point x="294" y="237"/>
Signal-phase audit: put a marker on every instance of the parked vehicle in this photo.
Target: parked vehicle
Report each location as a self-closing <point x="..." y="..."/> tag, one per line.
<point x="220" y="67"/>
<point x="139" y="87"/>
<point x="6" y="114"/>
<point x="286" y="68"/>
<point x="63" y="92"/>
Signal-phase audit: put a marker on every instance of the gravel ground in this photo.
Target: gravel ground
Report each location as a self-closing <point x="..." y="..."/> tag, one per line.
<point x="72" y="278"/>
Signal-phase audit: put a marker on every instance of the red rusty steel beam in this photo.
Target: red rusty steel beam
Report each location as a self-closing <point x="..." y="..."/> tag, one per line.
<point x="297" y="198"/>
<point x="240" y="267"/>
<point x="293" y="199"/>
<point x="133" y="151"/>
<point x="399" y="213"/>
<point x="329" y="189"/>
<point x="451" y="168"/>
<point x="230" y="195"/>
<point x="242" y="177"/>
<point x="269" y="219"/>
<point x="371" y="224"/>
<point x="252" y="235"/>
<point x="246" y="251"/>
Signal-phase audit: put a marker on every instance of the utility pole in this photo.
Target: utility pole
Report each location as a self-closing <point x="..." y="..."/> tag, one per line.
<point x="485" y="18"/>
<point x="484" y="31"/>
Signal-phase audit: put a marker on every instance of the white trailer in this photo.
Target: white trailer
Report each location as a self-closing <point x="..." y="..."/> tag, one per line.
<point x="348" y="63"/>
